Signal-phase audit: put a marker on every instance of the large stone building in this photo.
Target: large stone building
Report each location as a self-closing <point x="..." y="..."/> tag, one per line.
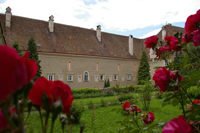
<point x="80" y="57"/>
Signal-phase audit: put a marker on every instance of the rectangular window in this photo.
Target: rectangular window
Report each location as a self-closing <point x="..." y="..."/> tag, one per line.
<point x="128" y="77"/>
<point x="96" y="78"/>
<point x="79" y="78"/>
<point x="51" y="77"/>
<point x="101" y="77"/>
<point x="110" y="77"/>
<point x="69" y="77"/>
<point x="115" y="77"/>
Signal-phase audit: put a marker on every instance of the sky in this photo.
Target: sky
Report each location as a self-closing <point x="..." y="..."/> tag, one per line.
<point x="139" y="18"/>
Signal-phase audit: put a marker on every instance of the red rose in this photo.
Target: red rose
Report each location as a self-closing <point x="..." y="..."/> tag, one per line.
<point x="162" y="77"/>
<point x="148" y="118"/>
<point x="151" y="41"/>
<point x="54" y="90"/>
<point x="177" y="125"/>
<point x="41" y="85"/>
<point x="3" y="121"/>
<point x="191" y="21"/>
<point x="15" y="71"/>
<point x="174" y="44"/>
<point x="168" y="39"/>
<point x="126" y="105"/>
<point x="162" y="49"/>
<point x="62" y="91"/>
<point x="196" y="18"/>
<point x="196" y="38"/>
<point x="135" y="109"/>
<point x="189" y="38"/>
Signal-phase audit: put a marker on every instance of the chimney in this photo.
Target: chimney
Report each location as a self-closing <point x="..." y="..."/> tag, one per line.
<point x="51" y="24"/>
<point x="8" y="17"/>
<point x="164" y="32"/>
<point x="99" y="33"/>
<point x="130" y="43"/>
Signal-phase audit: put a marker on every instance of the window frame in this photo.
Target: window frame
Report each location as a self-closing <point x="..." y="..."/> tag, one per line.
<point x="103" y="76"/>
<point x="69" y="76"/>
<point x="52" y="77"/>
<point x="128" y="77"/>
<point x="115" y="77"/>
<point x="84" y="78"/>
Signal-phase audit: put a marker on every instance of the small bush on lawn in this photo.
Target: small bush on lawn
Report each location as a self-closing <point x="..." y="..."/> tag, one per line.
<point x="103" y="103"/>
<point x="125" y="97"/>
<point x="194" y="92"/>
<point x="76" y="112"/>
<point x="90" y="105"/>
<point x="145" y="95"/>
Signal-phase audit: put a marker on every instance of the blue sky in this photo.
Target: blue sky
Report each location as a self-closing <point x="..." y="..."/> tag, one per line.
<point x="140" y="18"/>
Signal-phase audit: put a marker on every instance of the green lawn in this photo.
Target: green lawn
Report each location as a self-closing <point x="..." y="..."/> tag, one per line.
<point x="105" y="121"/>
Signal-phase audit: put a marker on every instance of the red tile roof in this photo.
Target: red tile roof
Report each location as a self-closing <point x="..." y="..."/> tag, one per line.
<point x="69" y="39"/>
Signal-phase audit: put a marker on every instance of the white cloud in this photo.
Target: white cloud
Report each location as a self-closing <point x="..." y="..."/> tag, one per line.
<point x="154" y="32"/>
<point x="116" y="15"/>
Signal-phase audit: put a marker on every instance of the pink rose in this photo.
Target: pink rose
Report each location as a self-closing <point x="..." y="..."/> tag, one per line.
<point x="151" y="41"/>
<point x="126" y="105"/>
<point x="177" y="125"/>
<point x="189" y="38"/>
<point x="135" y="108"/>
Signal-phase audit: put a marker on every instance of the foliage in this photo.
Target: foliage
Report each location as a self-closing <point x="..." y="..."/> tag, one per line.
<point x="108" y="83"/>
<point x="143" y="70"/>
<point x="145" y="95"/>
<point x="34" y="56"/>
<point x="194" y="92"/>
<point x="103" y="103"/>
<point x="86" y="90"/>
<point x="16" y="47"/>
<point x="76" y="112"/>
<point x="105" y="84"/>
<point x="125" y="97"/>
<point x="90" y="104"/>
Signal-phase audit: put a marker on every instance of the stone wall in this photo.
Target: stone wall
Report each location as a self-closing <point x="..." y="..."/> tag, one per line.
<point x="57" y="65"/>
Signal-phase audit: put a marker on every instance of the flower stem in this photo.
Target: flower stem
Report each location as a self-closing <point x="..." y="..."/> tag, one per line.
<point x="40" y="119"/>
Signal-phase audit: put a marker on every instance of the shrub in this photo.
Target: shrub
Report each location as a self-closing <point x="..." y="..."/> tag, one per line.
<point x="76" y="112"/>
<point x="125" y="97"/>
<point x="103" y="103"/>
<point x="90" y="105"/>
<point x="194" y="92"/>
<point x="145" y="95"/>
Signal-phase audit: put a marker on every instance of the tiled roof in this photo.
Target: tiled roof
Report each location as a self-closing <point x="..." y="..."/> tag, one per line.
<point x="69" y="39"/>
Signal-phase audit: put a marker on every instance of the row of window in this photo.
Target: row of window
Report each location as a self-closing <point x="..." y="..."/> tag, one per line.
<point x="100" y="77"/>
<point x="97" y="66"/>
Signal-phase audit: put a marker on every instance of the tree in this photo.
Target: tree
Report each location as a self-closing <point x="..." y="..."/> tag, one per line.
<point x="34" y="56"/>
<point x="143" y="70"/>
<point x="16" y="47"/>
<point x="108" y="83"/>
<point x="105" y="84"/>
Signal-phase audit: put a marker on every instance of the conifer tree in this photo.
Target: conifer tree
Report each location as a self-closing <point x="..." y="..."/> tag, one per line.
<point x="105" y="84"/>
<point x="34" y="56"/>
<point x="108" y="83"/>
<point x="143" y="70"/>
<point x="16" y="47"/>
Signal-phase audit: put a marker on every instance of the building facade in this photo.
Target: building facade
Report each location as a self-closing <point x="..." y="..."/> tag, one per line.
<point x="77" y="56"/>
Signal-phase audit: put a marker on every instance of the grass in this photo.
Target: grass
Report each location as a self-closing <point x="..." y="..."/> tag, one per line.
<point x="105" y="117"/>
